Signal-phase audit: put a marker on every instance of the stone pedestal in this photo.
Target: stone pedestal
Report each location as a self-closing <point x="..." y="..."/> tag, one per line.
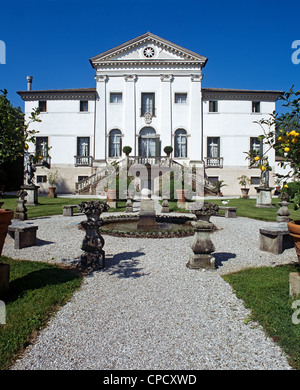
<point x="283" y="214"/>
<point x="294" y="280"/>
<point x="94" y="256"/>
<point x="165" y="206"/>
<point x="32" y="194"/>
<point x="202" y="246"/>
<point x="264" y="197"/>
<point x="129" y="206"/>
<point x="147" y="216"/>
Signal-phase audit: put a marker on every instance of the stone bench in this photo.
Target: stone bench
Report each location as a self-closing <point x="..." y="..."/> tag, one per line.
<point x="23" y="234"/>
<point x="230" y="212"/>
<point x="275" y="239"/>
<point x="68" y="210"/>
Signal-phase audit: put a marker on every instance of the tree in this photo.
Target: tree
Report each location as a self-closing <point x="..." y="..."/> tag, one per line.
<point x="282" y="133"/>
<point x="14" y="132"/>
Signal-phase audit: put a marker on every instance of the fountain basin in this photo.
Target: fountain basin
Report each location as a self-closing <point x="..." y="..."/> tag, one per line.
<point x="166" y="227"/>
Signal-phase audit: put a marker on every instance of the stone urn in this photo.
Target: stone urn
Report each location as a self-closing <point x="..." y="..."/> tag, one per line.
<point x="294" y="229"/>
<point x="202" y="245"/>
<point x="92" y="244"/>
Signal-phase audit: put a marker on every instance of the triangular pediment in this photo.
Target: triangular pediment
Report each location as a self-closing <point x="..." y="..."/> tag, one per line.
<point x="150" y="48"/>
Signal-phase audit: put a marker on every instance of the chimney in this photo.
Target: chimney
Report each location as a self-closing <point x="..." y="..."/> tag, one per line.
<point x="29" y="83"/>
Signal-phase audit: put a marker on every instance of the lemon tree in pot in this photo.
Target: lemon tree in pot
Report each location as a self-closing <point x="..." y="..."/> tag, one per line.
<point x="15" y="134"/>
<point x="282" y="133"/>
<point x="52" y="179"/>
<point x="243" y="181"/>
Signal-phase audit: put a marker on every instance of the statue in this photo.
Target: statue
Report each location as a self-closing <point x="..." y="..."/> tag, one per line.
<point x="29" y="171"/>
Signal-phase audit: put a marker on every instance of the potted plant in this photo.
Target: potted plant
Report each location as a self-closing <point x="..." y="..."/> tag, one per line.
<point x="127" y="150"/>
<point x="14" y="135"/>
<point x="168" y="150"/>
<point x="218" y="185"/>
<point x="52" y="179"/>
<point x="243" y="181"/>
<point x="282" y="133"/>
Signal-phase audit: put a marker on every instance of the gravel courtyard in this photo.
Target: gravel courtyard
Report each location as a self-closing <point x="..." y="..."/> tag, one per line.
<point x="146" y="310"/>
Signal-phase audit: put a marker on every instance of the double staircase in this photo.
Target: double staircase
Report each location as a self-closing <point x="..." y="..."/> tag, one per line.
<point x="89" y="185"/>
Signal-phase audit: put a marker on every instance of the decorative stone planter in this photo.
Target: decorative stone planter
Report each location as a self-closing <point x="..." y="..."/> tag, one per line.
<point x="92" y="244"/>
<point x="294" y="228"/>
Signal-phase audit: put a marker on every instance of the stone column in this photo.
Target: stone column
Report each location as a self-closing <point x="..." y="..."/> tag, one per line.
<point x="130" y="112"/>
<point x="94" y="256"/>
<point x="166" y="109"/>
<point x="195" y="141"/>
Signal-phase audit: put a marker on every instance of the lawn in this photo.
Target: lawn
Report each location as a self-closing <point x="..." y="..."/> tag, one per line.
<point x="50" y="206"/>
<point x="265" y="291"/>
<point x="246" y="208"/>
<point x="36" y="291"/>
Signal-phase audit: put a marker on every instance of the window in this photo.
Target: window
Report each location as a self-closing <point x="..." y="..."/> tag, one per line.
<point x="84" y="106"/>
<point x="41" y="146"/>
<point x="256" y="145"/>
<point x="213" y="147"/>
<point x="148" y="104"/>
<point x="255" y="180"/>
<point x="115" y="97"/>
<point x="213" y="179"/>
<point x="256" y="107"/>
<point x="43" y="106"/>
<point x="83" y="146"/>
<point x="180" y="98"/>
<point x="115" y="143"/>
<point x="180" y="143"/>
<point x="41" y="179"/>
<point x="82" y="178"/>
<point x="213" y="106"/>
<point x="148" y="142"/>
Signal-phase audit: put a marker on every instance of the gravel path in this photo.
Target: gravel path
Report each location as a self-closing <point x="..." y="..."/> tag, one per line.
<point x="146" y="310"/>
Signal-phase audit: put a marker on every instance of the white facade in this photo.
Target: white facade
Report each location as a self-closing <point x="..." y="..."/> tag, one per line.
<point x="149" y="95"/>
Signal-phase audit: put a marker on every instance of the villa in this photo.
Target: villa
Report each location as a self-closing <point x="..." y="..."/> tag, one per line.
<point x="148" y="95"/>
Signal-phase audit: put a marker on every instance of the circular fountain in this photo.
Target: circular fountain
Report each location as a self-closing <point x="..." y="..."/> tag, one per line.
<point x="147" y="223"/>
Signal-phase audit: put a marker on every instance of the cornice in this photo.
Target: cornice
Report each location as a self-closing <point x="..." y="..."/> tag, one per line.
<point x="239" y="94"/>
<point x="64" y="94"/>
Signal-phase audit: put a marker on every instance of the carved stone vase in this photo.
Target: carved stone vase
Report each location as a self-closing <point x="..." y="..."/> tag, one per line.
<point x="94" y="256"/>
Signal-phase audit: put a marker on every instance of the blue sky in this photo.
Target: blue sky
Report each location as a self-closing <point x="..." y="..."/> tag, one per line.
<point x="248" y="43"/>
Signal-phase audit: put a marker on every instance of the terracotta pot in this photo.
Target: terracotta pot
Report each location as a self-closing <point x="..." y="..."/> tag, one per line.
<point x="5" y="220"/>
<point x="245" y="192"/>
<point x="294" y="228"/>
<point x="111" y="195"/>
<point x="52" y="192"/>
<point x="181" y="195"/>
